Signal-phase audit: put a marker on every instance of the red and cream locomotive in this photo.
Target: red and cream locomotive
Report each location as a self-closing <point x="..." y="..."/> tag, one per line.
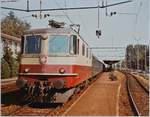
<point x="54" y="62"/>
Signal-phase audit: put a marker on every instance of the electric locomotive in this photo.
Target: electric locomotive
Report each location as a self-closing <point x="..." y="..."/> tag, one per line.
<point x="54" y="62"/>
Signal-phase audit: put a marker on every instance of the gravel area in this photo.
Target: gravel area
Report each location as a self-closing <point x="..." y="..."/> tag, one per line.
<point x="124" y="104"/>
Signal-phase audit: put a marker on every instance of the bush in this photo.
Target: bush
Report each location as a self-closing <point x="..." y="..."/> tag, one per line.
<point x="10" y="65"/>
<point x="112" y="77"/>
<point x="15" y="69"/>
<point x="5" y="70"/>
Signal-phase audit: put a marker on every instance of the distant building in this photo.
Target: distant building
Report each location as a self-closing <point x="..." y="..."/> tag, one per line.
<point x="12" y="42"/>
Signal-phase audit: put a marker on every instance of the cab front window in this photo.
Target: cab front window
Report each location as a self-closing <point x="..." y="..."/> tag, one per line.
<point x="58" y="44"/>
<point x="33" y="44"/>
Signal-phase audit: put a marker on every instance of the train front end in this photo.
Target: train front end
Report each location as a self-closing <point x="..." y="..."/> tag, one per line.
<point x="46" y="67"/>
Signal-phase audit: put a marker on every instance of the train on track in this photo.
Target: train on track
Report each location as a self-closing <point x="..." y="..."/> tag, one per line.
<point x="54" y="62"/>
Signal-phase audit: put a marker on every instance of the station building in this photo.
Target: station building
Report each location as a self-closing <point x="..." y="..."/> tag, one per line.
<point x="12" y="42"/>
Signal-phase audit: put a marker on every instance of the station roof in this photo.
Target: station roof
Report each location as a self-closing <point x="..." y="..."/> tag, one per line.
<point x="11" y="38"/>
<point x="110" y="62"/>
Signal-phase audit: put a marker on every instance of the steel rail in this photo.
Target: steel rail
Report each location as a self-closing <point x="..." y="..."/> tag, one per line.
<point x="133" y="102"/>
<point x="69" y="8"/>
<point x="135" y="109"/>
<point x="147" y="91"/>
<point x="5" y="83"/>
<point x="19" y="108"/>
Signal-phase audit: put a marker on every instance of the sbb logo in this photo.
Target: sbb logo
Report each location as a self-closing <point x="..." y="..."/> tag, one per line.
<point x="43" y="59"/>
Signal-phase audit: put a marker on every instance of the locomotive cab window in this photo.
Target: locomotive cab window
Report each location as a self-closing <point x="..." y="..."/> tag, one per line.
<point x="33" y="44"/>
<point x="74" y="44"/>
<point x="58" y="44"/>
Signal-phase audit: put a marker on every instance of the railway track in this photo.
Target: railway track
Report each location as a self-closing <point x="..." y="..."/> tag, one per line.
<point x="34" y="109"/>
<point x="8" y="85"/>
<point x="29" y="107"/>
<point x="138" y="95"/>
<point x="28" y="110"/>
<point x="19" y="108"/>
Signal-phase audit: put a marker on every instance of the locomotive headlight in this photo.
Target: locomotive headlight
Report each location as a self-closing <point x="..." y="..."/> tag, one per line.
<point x="62" y="70"/>
<point x="26" y="70"/>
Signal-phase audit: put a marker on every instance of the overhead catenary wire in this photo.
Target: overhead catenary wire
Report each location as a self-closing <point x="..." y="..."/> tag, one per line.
<point x="86" y="30"/>
<point x="64" y="12"/>
<point x="98" y="15"/>
<point x="6" y="1"/>
<point x="137" y="14"/>
<point x="82" y="21"/>
<point x="106" y="9"/>
<point x="126" y="13"/>
<point x="71" y="8"/>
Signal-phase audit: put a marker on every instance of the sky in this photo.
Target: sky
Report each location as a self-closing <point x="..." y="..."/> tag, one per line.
<point x="117" y="31"/>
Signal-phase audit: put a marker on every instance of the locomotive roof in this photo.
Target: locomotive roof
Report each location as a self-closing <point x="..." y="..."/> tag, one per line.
<point x="50" y="30"/>
<point x="53" y="30"/>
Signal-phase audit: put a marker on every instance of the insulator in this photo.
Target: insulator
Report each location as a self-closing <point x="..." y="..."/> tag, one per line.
<point x="35" y="15"/>
<point x="45" y="15"/>
<point x="111" y="13"/>
<point x="98" y="32"/>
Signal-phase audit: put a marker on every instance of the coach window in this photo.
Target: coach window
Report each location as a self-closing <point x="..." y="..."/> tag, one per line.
<point x="73" y="44"/>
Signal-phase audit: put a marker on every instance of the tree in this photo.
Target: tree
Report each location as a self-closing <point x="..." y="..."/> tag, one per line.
<point x="5" y="70"/>
<point x="130" y="56"/>
<point x="137" y="54"/>
<point x="14" y="26"/>
<point x="9" y="59"/>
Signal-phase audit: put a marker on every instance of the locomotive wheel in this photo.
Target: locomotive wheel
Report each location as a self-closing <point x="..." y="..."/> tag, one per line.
<point x="77" y="90"/>
<point x="87" y="83"/>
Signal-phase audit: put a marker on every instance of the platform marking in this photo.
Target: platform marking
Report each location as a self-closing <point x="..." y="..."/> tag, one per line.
<point x="117" y="103"/>
<point x="64" y="114"/>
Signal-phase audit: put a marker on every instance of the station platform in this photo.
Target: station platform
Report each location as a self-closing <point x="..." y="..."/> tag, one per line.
<point x="100" y="99"/>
